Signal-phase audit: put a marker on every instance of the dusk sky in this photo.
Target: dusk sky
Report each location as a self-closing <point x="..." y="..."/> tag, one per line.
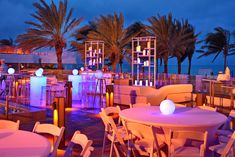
<point x="204" y="15"/>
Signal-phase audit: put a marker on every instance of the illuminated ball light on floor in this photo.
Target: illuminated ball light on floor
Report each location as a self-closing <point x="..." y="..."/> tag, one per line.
<point x="167" y="107"/>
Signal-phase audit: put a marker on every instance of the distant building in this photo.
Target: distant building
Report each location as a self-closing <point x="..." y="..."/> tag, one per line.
<point x="69" y="59"/>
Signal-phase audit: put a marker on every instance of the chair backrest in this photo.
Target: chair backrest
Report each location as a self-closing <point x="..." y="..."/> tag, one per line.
<point x="192" y="135"/>
<point x="142" y="131"/>
<point x="82" y="140"/>
<point x="52" y="130"/>
<point x="139" y="105"/>
<point x="208" y="108"/>
<point x="112" y="110"/>
<point x="7" y="124"/>
<point x="229" y="146"/>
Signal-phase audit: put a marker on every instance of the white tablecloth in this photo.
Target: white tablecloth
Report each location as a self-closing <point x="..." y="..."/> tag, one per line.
<point x="183" y="118"/>
<point x="23" y="144"/>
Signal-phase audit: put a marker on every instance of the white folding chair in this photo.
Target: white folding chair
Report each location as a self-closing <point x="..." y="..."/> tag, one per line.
<point x="114" y="134"/>
<point x="112" y="111"/>
<point x="207" y="108"/>
<point x="139" y="105"/>
<point x="187" y="149"/>
<point x="82" y="140"/>
<point x="227" y="129"/>
<point x="7" y="124"/>
<point x="52" y="130"/>
<point x="144" y="139"/>
<point x="225" y="149"/>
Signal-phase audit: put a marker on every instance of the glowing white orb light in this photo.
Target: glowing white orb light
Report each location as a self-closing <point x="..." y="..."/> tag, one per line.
<point x="167" y="107"/>
<point x="39" y="72"/>
<point x="75" y="72"/>
<point x="99" y="74"/>
<point x="11" y="71"/>
<point x="41" y="69"/>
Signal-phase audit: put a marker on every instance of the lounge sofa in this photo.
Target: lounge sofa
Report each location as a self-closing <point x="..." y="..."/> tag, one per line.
<point x="125" y="95"/>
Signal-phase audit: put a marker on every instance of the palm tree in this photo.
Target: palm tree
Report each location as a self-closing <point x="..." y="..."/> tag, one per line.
<point x="110" y="29"/>
<point x="162" y="27"/>
<point x="49" y="29"/>
<point x="184" y="42"/>
<point x="218" y="42"/>
<point x="173" y="37"/>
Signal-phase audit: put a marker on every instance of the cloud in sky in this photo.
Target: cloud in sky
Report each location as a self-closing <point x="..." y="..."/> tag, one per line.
<point x="203" y="14"/>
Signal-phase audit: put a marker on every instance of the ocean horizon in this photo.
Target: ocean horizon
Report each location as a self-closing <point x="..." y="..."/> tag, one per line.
<point x="173" y="69"/>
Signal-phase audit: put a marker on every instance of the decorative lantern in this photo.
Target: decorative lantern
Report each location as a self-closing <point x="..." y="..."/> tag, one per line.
<point x="109" y="95"/>
<point x="167" y="107"/>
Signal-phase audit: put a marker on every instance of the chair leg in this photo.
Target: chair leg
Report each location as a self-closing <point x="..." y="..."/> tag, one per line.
<point x="116" y="151"/>
<point x="111" y="149"/>
<point x="151" y="153"/>
<point x="103" y="148"/>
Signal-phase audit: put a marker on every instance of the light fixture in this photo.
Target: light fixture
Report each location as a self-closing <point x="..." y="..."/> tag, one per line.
<point x="11" y="71"/>
<point x="167" y="107"/>
<point x="75" y="72"/>
<point x="82" y="68"/>
<point x="39" y="72"/>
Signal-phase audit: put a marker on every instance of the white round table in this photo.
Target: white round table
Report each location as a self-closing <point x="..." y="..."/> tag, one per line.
<point x="23" y="144"/>
<point x="183" y="118"/>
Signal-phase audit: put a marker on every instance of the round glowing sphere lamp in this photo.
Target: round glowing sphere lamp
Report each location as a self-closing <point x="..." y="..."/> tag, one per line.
<point x="167" y="107"/>
<point x="39" y="72"/>
<point x="75" y="72"/>
<point x="11" y="71"/>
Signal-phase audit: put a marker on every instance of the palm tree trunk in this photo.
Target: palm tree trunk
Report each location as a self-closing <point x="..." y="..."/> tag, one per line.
<point x="179" y="65"/>
<point x="165" y="64"/>
<point x="59" y="51"/>
<point x="189" y="65"/>
<point x="225" y="62"/>
<point x="114" y="64"/>
<point x="120" y="67"/>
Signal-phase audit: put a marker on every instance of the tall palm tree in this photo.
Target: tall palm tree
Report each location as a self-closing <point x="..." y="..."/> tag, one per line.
<point x="110" y="29"/>
<point x="216" y="43"/>
<point x="184" y="42"/>
<point x="49" y="29"/>
<point x="162" y="27"/>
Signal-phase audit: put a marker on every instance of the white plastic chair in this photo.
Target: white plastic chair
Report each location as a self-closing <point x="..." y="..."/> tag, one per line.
<point x="7" y="124"/>
<point x="82" y="140"/>
<point x="225" y="149"/>
<point x="139" y="105"/>
<point x="52" y="130"/>
<point x="114" y="134"/>
<point x="207" y="108"/>
<point x="187" y="150"/>
<point x="144" y="139"/>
